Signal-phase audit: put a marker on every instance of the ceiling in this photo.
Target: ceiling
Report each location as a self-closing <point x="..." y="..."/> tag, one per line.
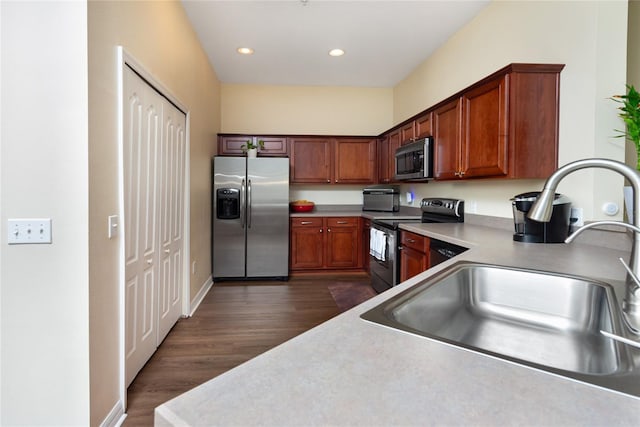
<point x="383" y="40"/>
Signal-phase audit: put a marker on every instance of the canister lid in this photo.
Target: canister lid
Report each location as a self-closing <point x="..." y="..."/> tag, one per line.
<point x="532" y="196"/>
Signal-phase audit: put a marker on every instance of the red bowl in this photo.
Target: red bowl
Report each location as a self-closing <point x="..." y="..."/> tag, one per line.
<point x="302" y="208"/>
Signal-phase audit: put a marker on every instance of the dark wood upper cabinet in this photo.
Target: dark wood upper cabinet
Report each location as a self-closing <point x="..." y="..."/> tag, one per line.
<point x="407" y="133"/>
<point x="386" y="157"/>
<point x="503" y="126"/>
<point x="447" y="119"/>
<point x="333" y="160"/>
<point x="423" y="126"/>
<point x="274" y="146"/>
<point x="355" y="161"/>
<point x="311" y="160"/>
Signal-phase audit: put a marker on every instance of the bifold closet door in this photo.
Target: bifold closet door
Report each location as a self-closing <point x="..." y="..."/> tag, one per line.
<point x="172" y="184"/>
<point x="154" y="150"/>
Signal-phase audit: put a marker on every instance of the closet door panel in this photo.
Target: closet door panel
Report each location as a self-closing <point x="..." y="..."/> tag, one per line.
<point x="172" y="173"/>
<point x="142" y="136"/>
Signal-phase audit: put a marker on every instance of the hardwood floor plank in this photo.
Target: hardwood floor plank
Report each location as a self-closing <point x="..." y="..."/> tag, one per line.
<point x="235" y="322"/>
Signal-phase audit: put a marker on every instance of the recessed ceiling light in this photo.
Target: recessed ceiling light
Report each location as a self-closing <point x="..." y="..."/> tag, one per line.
<point x="336" y="52"/>
<point x="244" y="50"/>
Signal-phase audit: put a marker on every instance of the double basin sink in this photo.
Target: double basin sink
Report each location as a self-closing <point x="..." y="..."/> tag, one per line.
<point x="557" y="323"/>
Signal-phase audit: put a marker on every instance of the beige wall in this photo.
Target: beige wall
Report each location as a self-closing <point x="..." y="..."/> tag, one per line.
<point x="305" y="110"/>
<point x="589" y="37"/>
<point x="44" y="326"/>
<point x="159" y="36"/>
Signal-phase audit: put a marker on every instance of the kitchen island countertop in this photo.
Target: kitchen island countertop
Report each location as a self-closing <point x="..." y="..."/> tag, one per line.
<point x="348" y="371"/>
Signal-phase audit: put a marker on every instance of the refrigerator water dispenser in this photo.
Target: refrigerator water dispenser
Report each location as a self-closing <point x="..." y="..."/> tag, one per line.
<point x="228" y="203"/>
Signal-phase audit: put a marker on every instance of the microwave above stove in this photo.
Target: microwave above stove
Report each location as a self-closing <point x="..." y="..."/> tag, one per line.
<point x="414" y="161"/>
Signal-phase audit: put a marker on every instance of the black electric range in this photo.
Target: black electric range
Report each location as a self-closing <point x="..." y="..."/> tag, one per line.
<point x="384" y="259"/>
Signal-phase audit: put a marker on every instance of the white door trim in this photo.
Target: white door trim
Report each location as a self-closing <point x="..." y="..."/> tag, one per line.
<point x="124" y="59"/>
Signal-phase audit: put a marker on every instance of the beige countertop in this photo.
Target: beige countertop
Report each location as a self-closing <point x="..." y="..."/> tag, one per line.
<point x="356" y="210"/>
<point x="348" y="371"/>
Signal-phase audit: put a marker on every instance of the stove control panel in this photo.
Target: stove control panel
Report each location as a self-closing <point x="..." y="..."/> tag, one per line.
<point x="451" y="208"/>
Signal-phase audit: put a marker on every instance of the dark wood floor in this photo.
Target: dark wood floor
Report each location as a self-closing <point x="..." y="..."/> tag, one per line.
<point x="235" y="322"/>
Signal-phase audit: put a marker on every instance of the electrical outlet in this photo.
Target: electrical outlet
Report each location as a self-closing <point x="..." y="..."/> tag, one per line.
<point x="576" y="218"/>
<point x="29" y="231"/>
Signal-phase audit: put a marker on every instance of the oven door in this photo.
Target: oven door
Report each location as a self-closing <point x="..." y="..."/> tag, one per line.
<point x="384" y="274"/>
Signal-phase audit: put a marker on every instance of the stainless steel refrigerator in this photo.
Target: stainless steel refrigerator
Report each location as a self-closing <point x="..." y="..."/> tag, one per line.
<point x="250" y="217"/>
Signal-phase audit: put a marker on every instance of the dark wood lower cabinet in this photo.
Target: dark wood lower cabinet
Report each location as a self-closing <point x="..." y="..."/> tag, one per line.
<point x="414" y="254"/>
<point x="307" y="244"/>
<point x="342" y="248"/>
<point x="325" y="243"/>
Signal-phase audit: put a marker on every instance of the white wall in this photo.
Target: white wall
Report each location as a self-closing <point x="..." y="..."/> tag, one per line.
<point x="589" y="37"/>
<point x="44" y="294"/>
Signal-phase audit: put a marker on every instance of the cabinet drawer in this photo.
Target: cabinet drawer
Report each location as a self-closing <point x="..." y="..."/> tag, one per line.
<point x="306" y="222"/>
<point x="347" y="221"/>
<point x="414" y="241"/>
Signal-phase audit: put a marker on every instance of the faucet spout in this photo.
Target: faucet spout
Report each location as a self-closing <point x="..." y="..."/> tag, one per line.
<point x="542" y="209"/>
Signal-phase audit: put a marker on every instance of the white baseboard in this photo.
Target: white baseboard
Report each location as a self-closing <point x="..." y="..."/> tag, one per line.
<point x="116" y="416"/>
<point x="195" y="302"/>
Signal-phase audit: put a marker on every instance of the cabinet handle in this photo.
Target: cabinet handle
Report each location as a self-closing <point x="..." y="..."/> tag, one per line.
<point x="306" y="222"/>
<point x="329" y="181"/>
<point x="149" y="261"/>
<point x="321" y="230"/>
<point x="343" y="222"/>
<point x="167" y="251"/>
<point x="328" y="230"/>
<point x="411" y="241"/>
<point x="461" y="174"/>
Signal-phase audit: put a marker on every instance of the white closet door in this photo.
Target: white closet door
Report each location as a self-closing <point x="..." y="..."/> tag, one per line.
<point x="142" y="137"/>
<point x="171" y="178"/>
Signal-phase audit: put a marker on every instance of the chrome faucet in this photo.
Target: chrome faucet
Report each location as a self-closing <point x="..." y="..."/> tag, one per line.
<point x="542" y="209"/>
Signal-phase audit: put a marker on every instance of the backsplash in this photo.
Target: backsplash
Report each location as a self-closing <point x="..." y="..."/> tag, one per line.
<point x="323" y="194"/>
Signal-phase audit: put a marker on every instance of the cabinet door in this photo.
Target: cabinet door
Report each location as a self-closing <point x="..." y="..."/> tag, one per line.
<point x="342" y="246"/>
<point x="384" y="160"/>
<point x="355" y="161"/>
<point x="447" y="140"/>
<point x="306" y="244"/>
<point x="412" y="262"/>
<point x="230" y="145"/>
<point x="407" y="133"/>
<point x="310" y="160"/>
<point x="274" y="146"/>
<point x="394" y="144"/>
<point x="423" y="126"/>
<point x="485" y="134"/>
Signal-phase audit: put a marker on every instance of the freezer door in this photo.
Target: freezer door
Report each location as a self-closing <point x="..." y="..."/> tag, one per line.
<point x="267" y="217"/>
<point x="229" y="174"/>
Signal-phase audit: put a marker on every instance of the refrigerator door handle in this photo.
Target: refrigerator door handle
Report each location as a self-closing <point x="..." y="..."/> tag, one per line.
<point x="249" y="204"/>
<point x="242" y="203"/>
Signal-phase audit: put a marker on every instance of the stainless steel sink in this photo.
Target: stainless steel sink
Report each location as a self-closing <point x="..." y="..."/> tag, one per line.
<point x="549" y="321"/>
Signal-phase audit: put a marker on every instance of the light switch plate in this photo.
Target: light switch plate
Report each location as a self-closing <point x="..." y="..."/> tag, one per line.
<point x="29" y="231"/>
<point x="113" y="226"/>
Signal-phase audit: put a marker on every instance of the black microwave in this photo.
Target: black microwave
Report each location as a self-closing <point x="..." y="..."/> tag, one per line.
<point x="414" y="161"/>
